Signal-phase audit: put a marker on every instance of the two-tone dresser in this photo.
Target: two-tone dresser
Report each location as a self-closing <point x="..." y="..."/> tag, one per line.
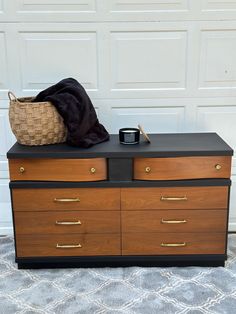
<point x="164" y="203"/>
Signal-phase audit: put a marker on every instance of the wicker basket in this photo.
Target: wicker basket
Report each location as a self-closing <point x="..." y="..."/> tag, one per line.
<point x="35" y="123"/>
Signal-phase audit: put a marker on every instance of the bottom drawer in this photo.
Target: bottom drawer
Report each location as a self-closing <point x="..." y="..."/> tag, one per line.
<point x="172" y="243"/>
<point x="68" y="245"/>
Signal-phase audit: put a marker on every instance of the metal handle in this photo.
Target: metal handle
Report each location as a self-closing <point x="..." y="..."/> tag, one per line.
<point x="93" y="170"/>
<point x="163" y="221"/>
<point x="173" y="244"/>
<point x="167" y="198"/>
<point x="147" y="169"/>
<point x="68" y="246"/>
<point x="66" y="200"/>
<point x="218" y="167"/>
<point x="78" y="222"/>
<point x="22" y="169"/>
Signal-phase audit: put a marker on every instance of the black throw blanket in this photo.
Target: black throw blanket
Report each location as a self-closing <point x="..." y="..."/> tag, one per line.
<point x="77" y="111"/>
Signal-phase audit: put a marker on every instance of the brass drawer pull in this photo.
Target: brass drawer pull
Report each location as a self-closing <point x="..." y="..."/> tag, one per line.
<point x="167" y="198"/>
<point x="21" y="170"/>
<point x="147" y="169"/>
<point x="68" y="246"/>
<point x="163" y="221"/>
<point x="93" y="170"/>
<point x="78" y="222"/>
<point x="173" y="244"/>
<point x="218" y="167"/>
<point x="59" y="200"/>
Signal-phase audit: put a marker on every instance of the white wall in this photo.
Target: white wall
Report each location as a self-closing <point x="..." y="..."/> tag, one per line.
<point x="170" y="65"/>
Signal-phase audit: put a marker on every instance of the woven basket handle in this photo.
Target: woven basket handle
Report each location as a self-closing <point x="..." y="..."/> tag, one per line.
<point x="12" y="97"/>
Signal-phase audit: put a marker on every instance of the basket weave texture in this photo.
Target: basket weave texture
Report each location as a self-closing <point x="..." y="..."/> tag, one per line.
<point x="35" y="123"/>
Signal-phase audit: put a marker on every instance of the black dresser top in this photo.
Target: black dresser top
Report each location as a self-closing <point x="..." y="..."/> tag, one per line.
<point x="162" y="145"/>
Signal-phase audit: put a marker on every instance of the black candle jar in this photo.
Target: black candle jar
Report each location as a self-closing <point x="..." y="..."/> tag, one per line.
<point x="129" y="136"/>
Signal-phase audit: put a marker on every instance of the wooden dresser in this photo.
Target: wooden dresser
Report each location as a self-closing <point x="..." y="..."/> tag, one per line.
<point x="164" y="203"/>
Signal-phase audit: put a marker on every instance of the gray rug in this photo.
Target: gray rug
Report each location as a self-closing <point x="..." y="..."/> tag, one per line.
<point x="117" y="290"/>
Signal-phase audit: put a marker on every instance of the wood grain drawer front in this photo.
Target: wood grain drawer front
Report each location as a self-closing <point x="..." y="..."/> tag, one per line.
<point x="68" y="245"/>
<point x="214" y="197"/>
<point x="174" y="221"/>
<point x="93" y="169"/>
<point x="172" y="243"/>
<point x="180" y="168"/>
<point x="67" y="222"/>
<point x="66" y="199"/>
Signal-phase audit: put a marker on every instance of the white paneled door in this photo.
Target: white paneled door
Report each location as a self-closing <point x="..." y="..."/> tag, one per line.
<point x="168" y="65"/>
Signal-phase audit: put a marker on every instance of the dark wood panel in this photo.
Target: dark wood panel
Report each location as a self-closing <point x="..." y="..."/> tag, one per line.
<point x="206" y="260"/>
<point x="63" y="222"/>
<point x="174" y="221"/>
<point x="174" y="198"/>
<point x="46" y="245"/>
<point x="93" y="169"/>
<point x="108" y="184"/>
<point x="162" y="145"/>
<point x="74" y="199"/>
<point x="189" y="243"/>
<point x="120" y="169"/>
<point x="181" y="168"/>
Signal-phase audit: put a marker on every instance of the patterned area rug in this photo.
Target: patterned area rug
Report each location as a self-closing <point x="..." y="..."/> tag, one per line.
<point x="191" y="290"/>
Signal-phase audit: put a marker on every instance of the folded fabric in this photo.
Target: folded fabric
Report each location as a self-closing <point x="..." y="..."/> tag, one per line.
<point x="74" y="105"/>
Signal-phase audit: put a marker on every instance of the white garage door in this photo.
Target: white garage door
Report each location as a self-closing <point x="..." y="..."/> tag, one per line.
<point x="167" y="64"/>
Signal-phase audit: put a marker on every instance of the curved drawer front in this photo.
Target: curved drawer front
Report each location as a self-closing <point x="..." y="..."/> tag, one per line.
<point x="68" y="245"/>
<point x="172" y="243"/>
<point x="174" y="221"/>
<point x="66" y="199"/>
<point x="93" y="169"/>
<point x="180" y="168"/>
<point x="214" y="197"/>
<point x="62" y="222"/>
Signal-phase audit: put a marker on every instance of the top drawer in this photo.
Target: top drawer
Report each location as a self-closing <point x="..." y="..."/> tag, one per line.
<point x="181" y="168"/>
<point x="93" y="169"/>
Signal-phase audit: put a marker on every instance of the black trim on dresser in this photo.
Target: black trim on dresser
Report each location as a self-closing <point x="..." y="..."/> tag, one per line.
<point x="162" y="145"/>
<point x="210" y="260"/>
<point x="120" y="169"/>
<point x="13" y="220"/>
<point x="227" y="221"/>
<point x="102" y="184"/>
